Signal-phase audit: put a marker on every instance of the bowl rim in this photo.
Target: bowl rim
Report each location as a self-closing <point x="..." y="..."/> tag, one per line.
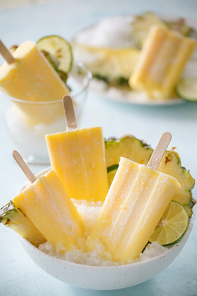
<point x="87" y="82"/>
<point x="146" y="261"/>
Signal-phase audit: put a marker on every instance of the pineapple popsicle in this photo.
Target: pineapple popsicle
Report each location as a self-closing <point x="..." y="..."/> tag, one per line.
<point x="161" y="62"/>
<point x="30" y="77"/>
<point x="133" y="207"/>
<point x="48" y="206"/>
<point x="78" y="158"/>
<point x="136" y="200"/>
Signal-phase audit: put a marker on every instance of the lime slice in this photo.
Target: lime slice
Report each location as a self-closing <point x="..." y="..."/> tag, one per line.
<point x="111" y="171"/>
<point x="172" y="225"/>
<point x="60" y="49"/>
<point x="187" y="89"/>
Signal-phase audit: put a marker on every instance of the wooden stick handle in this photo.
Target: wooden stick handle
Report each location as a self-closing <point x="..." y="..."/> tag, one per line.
<point x="69" y="113"/>
<point x="24" y="167"/>
<point x="159" y="151"/>
<point x="5" y="53"/>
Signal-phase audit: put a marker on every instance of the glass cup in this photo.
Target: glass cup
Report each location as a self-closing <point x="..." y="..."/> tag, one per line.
<point x="28" y="122"/>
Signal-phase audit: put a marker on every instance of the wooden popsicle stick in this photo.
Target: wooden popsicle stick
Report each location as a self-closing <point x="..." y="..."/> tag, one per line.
<point x="159" y="151"/>
<point x="69" y="113"/>
<point x="24" y="167"/>
<point x="5" y="53"/>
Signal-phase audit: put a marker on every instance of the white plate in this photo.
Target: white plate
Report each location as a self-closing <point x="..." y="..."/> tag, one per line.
<point x="117" y="28"/>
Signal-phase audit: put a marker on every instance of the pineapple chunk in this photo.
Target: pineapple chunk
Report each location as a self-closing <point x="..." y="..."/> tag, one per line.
<point x="12" y="217"/>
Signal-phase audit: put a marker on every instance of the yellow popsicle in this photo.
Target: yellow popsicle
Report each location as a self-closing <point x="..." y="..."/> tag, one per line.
<point x="161" y="62"/>
<point x="78" y="158"/>
<point x="47" y="205"/>
<point x="133" y="207"/>
<point x="31" y="78"/>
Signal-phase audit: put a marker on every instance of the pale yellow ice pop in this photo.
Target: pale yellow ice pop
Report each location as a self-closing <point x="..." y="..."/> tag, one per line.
<point x="78" y="158"/>
<point x="136" y="200"/>
<point x="48" y="206"/>
<point x="161" y="62"/>
<point x="30" y="77"/>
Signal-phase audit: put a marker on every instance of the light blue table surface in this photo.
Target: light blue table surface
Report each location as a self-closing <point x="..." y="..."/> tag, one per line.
<point x="19" y="276"/>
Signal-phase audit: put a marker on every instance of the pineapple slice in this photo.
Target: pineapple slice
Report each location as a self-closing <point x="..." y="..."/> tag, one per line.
<point x="182" y="27"/>
<point x="128" y="147"/>
<point x="171" y="165"/>
<point x="134" y="149"/>
<point x="142" y="24"/>
<point x="108" y="64"/>
<point x="12" y="217"/>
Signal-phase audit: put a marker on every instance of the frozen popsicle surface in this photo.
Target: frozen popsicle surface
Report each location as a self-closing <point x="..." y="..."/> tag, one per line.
<point x="161" y="62"/>
<point x="136" y="200"/>
<point x="31" y="78"/>
<point x="78" y="158"/>
<point x="47" y="205"/>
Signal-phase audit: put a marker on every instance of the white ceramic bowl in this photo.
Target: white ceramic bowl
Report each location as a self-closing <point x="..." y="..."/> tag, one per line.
<point x="104" y="277"/>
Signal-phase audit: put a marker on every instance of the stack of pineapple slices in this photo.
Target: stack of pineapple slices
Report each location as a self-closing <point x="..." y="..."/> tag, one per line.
<point x="130" y="147"/>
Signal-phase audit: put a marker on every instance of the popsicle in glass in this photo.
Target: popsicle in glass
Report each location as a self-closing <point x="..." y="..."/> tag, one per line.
<point x="28" y="76"/>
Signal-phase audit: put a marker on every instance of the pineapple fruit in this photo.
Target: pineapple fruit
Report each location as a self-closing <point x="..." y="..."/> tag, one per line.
<point x="128" y="147"/>
<point x="136" y="150"/>
<point x="143" y="22"/>
<point x="112" y="65"/>
<point x="12" y="217"/>
<point x="141" y="26"/>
